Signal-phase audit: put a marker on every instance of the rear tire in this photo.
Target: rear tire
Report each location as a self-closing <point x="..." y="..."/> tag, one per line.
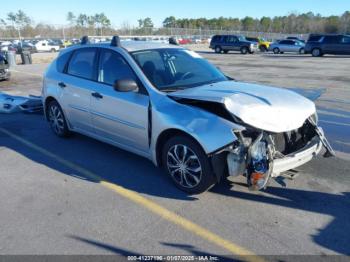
<point x="316" y="52"/>
<point x="188" y="165"/>
<point x="218" y="49"/>
<point x="276" y="50"/>
<point x="53" y="50"/>
<point x="244" y="50"/>
<point x="302" y="51"/>
<point x="57" y="119"/>
<point x="263" y="49"/>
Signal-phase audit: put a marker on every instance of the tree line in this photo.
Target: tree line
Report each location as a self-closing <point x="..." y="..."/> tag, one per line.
<point x="17" y="24"/>
<point x="293" y="23"/>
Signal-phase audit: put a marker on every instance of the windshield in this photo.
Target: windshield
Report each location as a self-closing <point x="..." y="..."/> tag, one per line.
<point x="242" y="38"/>
<point x="173" y="69"/>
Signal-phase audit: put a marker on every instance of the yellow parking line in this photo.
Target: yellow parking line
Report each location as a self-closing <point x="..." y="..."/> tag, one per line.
<point x="146" y="203"/>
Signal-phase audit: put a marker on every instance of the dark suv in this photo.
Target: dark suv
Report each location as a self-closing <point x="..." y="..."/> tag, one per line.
<point x="319" y="45"/>
<point x="226" y="43"/>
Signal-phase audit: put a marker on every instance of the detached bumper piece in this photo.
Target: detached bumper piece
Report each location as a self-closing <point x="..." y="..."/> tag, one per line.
<point x="298" y="158"/>
<point x="13" y="104"/>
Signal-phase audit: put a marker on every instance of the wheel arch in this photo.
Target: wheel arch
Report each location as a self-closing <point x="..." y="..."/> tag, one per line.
<point x="217" y="161"/>
<point x="47" y="101"/>
<point x="165" y="136"/>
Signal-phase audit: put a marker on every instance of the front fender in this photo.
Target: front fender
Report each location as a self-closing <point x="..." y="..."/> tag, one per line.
<point x="209" y="130"/>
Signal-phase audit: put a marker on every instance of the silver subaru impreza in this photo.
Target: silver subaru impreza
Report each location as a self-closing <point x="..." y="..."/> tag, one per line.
<point x="170" y="105"/>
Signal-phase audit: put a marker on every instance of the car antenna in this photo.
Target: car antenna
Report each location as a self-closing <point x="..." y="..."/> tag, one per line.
<point x="84" y="40"/>
<point x="116" y="41"/>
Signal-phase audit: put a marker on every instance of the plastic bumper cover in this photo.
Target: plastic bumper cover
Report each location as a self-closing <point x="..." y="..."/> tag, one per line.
<point x="298" y="158"/>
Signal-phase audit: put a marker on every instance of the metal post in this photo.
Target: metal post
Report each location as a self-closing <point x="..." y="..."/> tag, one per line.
<point x="64" y="36"/>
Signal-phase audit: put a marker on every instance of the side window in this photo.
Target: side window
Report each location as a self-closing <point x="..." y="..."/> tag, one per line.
<point x="82" y="63"/>
<point x="331" y="40"/>
<point x="346" y="40"/>
<point x="283" y="42"/>
<point x="231" y="39"/>
<point x="62" y="61"/>
<point x="113" y="67"/>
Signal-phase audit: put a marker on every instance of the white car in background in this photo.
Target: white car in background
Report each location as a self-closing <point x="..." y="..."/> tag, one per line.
<point x="46" y="46"/>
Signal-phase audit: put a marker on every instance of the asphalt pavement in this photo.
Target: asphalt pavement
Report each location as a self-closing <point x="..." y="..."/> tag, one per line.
<point x="81" y="196"/>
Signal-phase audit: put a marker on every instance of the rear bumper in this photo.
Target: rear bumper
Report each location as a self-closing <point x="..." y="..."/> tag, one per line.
<point x="5" y="75"/>
<point x="298" y="158"/>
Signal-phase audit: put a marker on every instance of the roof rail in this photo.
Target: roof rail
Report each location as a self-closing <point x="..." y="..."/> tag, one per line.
<point x="84" y="40"/>
<point x="116" y="41"/>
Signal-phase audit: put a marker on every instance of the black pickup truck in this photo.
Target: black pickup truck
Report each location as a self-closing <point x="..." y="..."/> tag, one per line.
<point x="4" y="68"/>
<point x="226" y="43"/>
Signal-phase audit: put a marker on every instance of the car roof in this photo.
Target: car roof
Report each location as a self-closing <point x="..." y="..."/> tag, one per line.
<point x="130" y="46"/>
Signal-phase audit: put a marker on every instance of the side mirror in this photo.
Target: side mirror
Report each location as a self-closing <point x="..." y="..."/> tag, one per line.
<point x="126" y="86"/>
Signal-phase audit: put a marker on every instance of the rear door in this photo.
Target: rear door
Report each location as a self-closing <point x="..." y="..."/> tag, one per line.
<point x="120" y="117"/>
<point x="332" y="44"/>
<point x="232" y="43"/>
<point x="345" y="42"/>
<point x="76" y="83"/>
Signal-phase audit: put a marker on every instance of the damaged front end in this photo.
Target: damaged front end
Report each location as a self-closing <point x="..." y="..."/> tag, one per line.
<point x="262" y="155"/>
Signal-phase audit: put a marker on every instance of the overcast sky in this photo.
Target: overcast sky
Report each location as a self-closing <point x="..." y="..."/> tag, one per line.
<point x="120" y="11"/>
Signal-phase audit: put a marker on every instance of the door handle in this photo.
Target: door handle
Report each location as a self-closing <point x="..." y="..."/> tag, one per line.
<point x="97" y="95"/>
<point x="61" y="84"/>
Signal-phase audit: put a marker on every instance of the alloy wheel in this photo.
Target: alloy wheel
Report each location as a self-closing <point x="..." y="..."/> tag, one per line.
<point x="56" y="119"/>
<point x="184" y="166"/>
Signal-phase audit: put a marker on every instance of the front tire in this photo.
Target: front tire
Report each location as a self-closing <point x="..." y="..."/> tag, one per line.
<point x="57" y="120"/>
<point x="244" y="50"/>
<point x="302" y="51"/>
<point x="188" y="165"/>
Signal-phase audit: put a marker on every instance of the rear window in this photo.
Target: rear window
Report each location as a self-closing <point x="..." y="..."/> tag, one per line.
<point x="314" y="38"/>
<point x="62" y="61"/>
<point x="331" y="39"/>
<point x="82" y="63"/>
<point x="217" y="38"/>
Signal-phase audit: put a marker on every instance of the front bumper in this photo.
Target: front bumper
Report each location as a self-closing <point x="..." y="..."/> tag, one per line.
<point x="298" y="158"/>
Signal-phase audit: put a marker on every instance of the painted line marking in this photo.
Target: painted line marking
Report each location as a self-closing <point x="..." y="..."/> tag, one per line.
<point x="147" y="204"/>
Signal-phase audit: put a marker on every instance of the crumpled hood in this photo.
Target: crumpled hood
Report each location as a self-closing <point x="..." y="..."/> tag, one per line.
<point x="268" y="108"/>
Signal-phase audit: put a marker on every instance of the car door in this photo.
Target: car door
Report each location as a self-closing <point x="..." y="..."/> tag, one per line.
<point x="76" y="84"/>
<point x="345" y="42"/>
<point x="120" y="117"/>
<point x="332" y="44"/>
<point x="282" y="45"/>
<point x="290" y="46"/>
<point x="234" y="43"/>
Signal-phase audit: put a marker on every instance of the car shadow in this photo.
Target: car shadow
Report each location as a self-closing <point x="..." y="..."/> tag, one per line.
<point x="184" y="250"/>
<point x="335" y="236"/>
<point x="113" y="249"/>
<point x="35" y="141"/>
<point x="106" y="162"/>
